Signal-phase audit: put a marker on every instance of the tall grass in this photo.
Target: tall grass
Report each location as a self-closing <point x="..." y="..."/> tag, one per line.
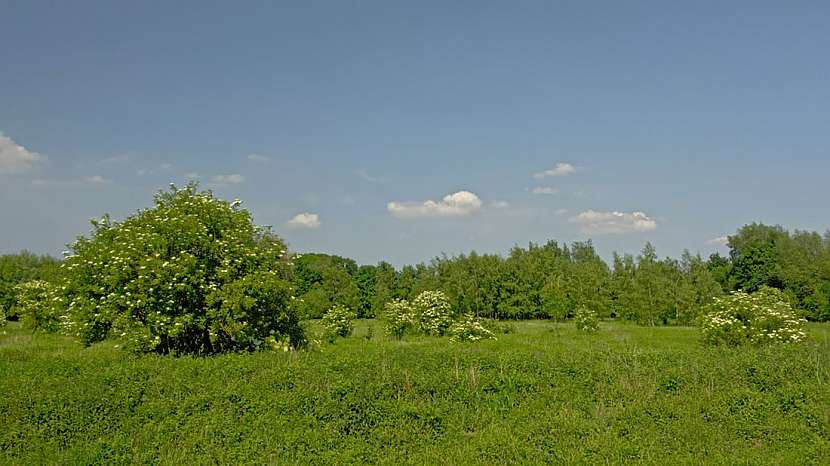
<point x="543" y="394"/>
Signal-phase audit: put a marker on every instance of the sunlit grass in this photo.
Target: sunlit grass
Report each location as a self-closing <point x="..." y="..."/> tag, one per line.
<point x="545" y="394"/>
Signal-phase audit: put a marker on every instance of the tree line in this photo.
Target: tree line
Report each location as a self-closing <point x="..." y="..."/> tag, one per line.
<point x="551" y="280"/>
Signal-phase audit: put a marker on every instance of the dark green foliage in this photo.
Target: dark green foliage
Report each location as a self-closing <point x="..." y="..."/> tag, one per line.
<point x="541" y="395"/>
<point x="753" y="254"/>
<point x="365" y="279"/>
<point x="797" y="263"/>
<point x="322" y="281"/>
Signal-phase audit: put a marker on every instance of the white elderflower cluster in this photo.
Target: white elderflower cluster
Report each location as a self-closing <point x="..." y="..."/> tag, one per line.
<point x="469" y="328"/>
<point x="758" y="318"/>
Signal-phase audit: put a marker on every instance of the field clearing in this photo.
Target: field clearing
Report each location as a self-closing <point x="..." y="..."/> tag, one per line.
<point x="542" y="394"/>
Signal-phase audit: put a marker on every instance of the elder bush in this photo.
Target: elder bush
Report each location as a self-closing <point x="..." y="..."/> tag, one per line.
<point x="338" y="322"/>
<point x="433" y="312"/>
<point x="586" y="320"/>
<point x="193" y="274"/>
<point x="763" y="317"/>
<point x="469" y="328"/>
<point x="399" y="318"/>
<point x="34" y="305"/>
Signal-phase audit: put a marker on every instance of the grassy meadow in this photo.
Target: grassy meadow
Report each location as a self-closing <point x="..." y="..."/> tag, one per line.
<point x="543" y="394"/>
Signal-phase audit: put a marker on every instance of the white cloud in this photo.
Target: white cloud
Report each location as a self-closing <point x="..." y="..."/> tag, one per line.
<point x="228" y="179"/>
<point x="15" y="159"/>
<point x="452" y="205"/>
<point x="614" y="222"/>
<point x="544" y="190"/>
<point x="366" y="176"/>
<point x="560" y="169"/>
<point x="305" y="220"/>
<point x="561" y="212"/>
<point x="259" y="158"/>
<point x="116" y="160"/>
<point x="96" y="179"/>
<point x="152" y="171"/>
<point x="500" y="204"/>
<point x="719" y="241"/>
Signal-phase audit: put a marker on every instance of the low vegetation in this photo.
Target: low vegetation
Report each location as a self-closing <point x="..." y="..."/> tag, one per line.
<point x="544" y="394"/>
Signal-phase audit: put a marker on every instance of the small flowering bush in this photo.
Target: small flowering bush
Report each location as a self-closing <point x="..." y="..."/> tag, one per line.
<point x="586" y="320"/>
<point x="469" y="328"/>
<point x="338" y="321"/>
<point x="399" y="318"/>
<point x="758" y="318"/>
<point x="34" y="305"/>
<point x="433" y="311"/>
<point x="193" y="274"/>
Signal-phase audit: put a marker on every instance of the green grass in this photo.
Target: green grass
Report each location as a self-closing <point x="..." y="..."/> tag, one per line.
<point x="542" y="395"/>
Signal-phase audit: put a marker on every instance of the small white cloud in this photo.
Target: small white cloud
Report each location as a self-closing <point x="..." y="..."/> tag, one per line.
<point x="719" y="241"/>
<point x="115" y="160"/>
<point x="362" y="173"/>
<point x="500" y="204"/>
<point x="614" y="222"/>
<point x="560" y="169"/>
<point x="14" y="158"/>
<point x="152" y="171"/>
<point x="259" y="158"/>
<point x="544" y="190"/>
<point x="561" y="212"/>
<point x="96" y="179"/>
<point x="305" y="220"/>
<point x="452" y="205"/>
<point x="228" y="179"/>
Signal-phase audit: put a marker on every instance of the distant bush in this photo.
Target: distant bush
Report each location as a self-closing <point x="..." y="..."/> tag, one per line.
<point x="339" y="321"/>
<point x="586" y="320"/>
<point x="193" y="274"/>
<point x="34" y="306"/>
<point x="399" y="318"/>
<point x="19" y="268"/>
<point x="469" y="328"/>
<point x="433" y="311"/>
<point x="765" y="316"/>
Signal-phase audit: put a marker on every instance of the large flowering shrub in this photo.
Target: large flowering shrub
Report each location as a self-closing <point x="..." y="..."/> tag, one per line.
<point x="469" y="328"/>
<point x="399" y="317"/>
<point x="34" y="305"/>
<point x="433" y="311"/>
<point x="338" y="321"/>
<point x="586" y="320"/>
<point x="758" y="318"/>
<point x="191" y="275"/>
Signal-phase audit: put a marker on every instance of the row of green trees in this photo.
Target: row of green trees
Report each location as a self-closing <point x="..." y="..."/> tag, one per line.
<point x="552" y="280"/>
<point x="549" y="280"/>
<point x="540" y="281"/>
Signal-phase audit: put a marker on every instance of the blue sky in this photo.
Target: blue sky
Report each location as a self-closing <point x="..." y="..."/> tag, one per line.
<point x="670" y="122"/>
